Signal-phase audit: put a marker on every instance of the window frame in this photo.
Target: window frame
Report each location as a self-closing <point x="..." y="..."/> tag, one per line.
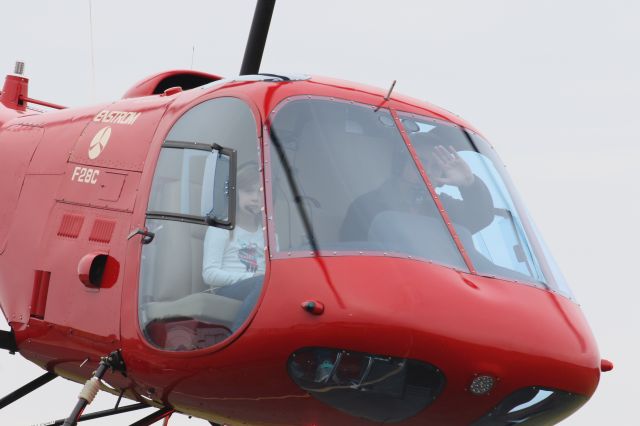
<point x="257" y="126"/>
<point x="202" y="220"/>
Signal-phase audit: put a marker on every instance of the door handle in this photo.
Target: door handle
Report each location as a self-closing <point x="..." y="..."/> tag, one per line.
<point x="147" y="236"/>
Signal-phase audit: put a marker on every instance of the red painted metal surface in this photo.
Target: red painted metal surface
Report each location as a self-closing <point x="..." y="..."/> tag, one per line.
<point x="606" y="365"/>
<point x="396" y="307"/>
<point x="40" y="292"/>
<point x="43" y="103"/>
<point x="462" y="323"/>
<point x="15" y="89"/>
<point x="19" y="143"/>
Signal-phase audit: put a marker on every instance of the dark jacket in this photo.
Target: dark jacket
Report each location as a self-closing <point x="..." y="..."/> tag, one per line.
<point x="474" y="211"/>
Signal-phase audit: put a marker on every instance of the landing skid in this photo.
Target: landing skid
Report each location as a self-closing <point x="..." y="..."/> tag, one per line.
<point x="104" y="413"/>
<point x="47" y="377"/>
<point x="8" y="341"/>
<point x="113" y="361"/>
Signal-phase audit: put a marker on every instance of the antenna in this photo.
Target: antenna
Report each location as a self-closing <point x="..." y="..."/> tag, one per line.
<point x="18" y="69"/>
<point x="257" y="37"/>
<point x="386" y="98"/>
<point x="93" y="66"/>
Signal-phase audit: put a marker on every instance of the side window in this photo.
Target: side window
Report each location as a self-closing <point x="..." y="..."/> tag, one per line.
<point x="475" y="194"/>
<point x="503" y="240"/>
<point x="185" y="180"/>
<point x="202" y="273"/>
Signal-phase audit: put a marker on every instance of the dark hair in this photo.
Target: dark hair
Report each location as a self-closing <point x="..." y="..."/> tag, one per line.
<point x="418" y="140"/>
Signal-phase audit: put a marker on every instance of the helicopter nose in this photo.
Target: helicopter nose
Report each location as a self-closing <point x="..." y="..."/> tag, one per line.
<point x="500" y="349"/>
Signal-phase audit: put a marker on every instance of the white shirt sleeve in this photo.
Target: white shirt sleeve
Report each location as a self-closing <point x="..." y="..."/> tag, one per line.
<point x="216" y="241"/>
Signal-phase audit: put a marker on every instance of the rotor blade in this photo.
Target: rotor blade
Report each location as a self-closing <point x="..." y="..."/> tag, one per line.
<point x="257" y="37"/>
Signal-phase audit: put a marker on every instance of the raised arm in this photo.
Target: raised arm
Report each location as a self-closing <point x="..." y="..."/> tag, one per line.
<point x="475" y="210"/>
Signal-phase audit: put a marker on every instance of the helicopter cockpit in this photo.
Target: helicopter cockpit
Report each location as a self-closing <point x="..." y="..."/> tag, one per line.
<point x="363" y="193"/>
<point x="342" y="179"/>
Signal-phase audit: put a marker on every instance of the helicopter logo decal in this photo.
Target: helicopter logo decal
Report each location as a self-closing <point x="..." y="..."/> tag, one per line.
<point x="99" y="142"/>
<point x="118" y="117"/>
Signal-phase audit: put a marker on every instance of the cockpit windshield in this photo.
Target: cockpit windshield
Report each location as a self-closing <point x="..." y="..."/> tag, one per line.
<point x="345" y="182"/>
<point x="473" y="187"/>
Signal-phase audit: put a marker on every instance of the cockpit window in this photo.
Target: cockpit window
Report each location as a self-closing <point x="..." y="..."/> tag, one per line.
<point x="199" y="284"/>
<point x="475" y="191"/>
<point x="344" y="182"/>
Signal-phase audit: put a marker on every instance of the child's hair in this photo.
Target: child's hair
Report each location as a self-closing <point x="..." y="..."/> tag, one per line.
<point x="248" y="175"/>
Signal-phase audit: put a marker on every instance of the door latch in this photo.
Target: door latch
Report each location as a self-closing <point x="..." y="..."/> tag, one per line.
<point x="147" y="236"/>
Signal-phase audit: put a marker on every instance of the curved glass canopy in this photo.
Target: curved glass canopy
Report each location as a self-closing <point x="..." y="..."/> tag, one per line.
<point x="201" y="278"/>
<point x="345" y="179"/>
<point x="346" y="182"/>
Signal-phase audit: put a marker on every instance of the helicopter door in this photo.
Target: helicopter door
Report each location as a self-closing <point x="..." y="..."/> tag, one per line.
<point x="203" y="270"/>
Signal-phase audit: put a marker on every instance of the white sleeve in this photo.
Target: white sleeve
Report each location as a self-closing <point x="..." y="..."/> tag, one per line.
<point x="215" y="242"/>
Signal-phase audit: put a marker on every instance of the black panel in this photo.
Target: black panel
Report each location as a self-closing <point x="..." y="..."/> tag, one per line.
<point x="533" y="406"/>
<point x="8" y="341"/>
<point x="186" y="81"/>
<point x="374" y="387"/>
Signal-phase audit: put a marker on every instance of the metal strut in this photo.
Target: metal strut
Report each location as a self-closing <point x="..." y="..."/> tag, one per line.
<point x="162" y="413"/>
<point x="27" y="389"/>
<point x="114" y="362"/>
<point x="8" y="341"/>
<point x="104" y="413"/>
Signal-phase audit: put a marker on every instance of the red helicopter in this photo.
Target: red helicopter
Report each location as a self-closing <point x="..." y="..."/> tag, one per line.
<point x="280" y="250"/>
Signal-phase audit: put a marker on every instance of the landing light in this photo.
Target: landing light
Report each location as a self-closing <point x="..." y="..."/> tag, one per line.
<point x="482" y="385"/>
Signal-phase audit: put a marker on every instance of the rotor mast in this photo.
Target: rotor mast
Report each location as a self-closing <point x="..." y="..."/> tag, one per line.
<point x="257" y="37"/>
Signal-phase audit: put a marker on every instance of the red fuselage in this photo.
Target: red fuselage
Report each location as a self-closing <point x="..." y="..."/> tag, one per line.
<point x="58" y="206"/>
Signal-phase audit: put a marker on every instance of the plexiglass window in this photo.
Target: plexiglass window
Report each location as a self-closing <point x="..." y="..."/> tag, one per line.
<point x="180" y="177"/>
<point x="344" y="183"/>
<point x="200" y="283"/>
<point x="481" y="203"/>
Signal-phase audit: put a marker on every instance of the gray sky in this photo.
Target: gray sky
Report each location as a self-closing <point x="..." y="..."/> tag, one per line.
<point x="554" y="85"/>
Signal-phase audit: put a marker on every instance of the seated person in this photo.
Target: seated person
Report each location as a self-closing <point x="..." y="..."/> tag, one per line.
<point x="233" y="262"/>
<point x="406" y="192"/>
